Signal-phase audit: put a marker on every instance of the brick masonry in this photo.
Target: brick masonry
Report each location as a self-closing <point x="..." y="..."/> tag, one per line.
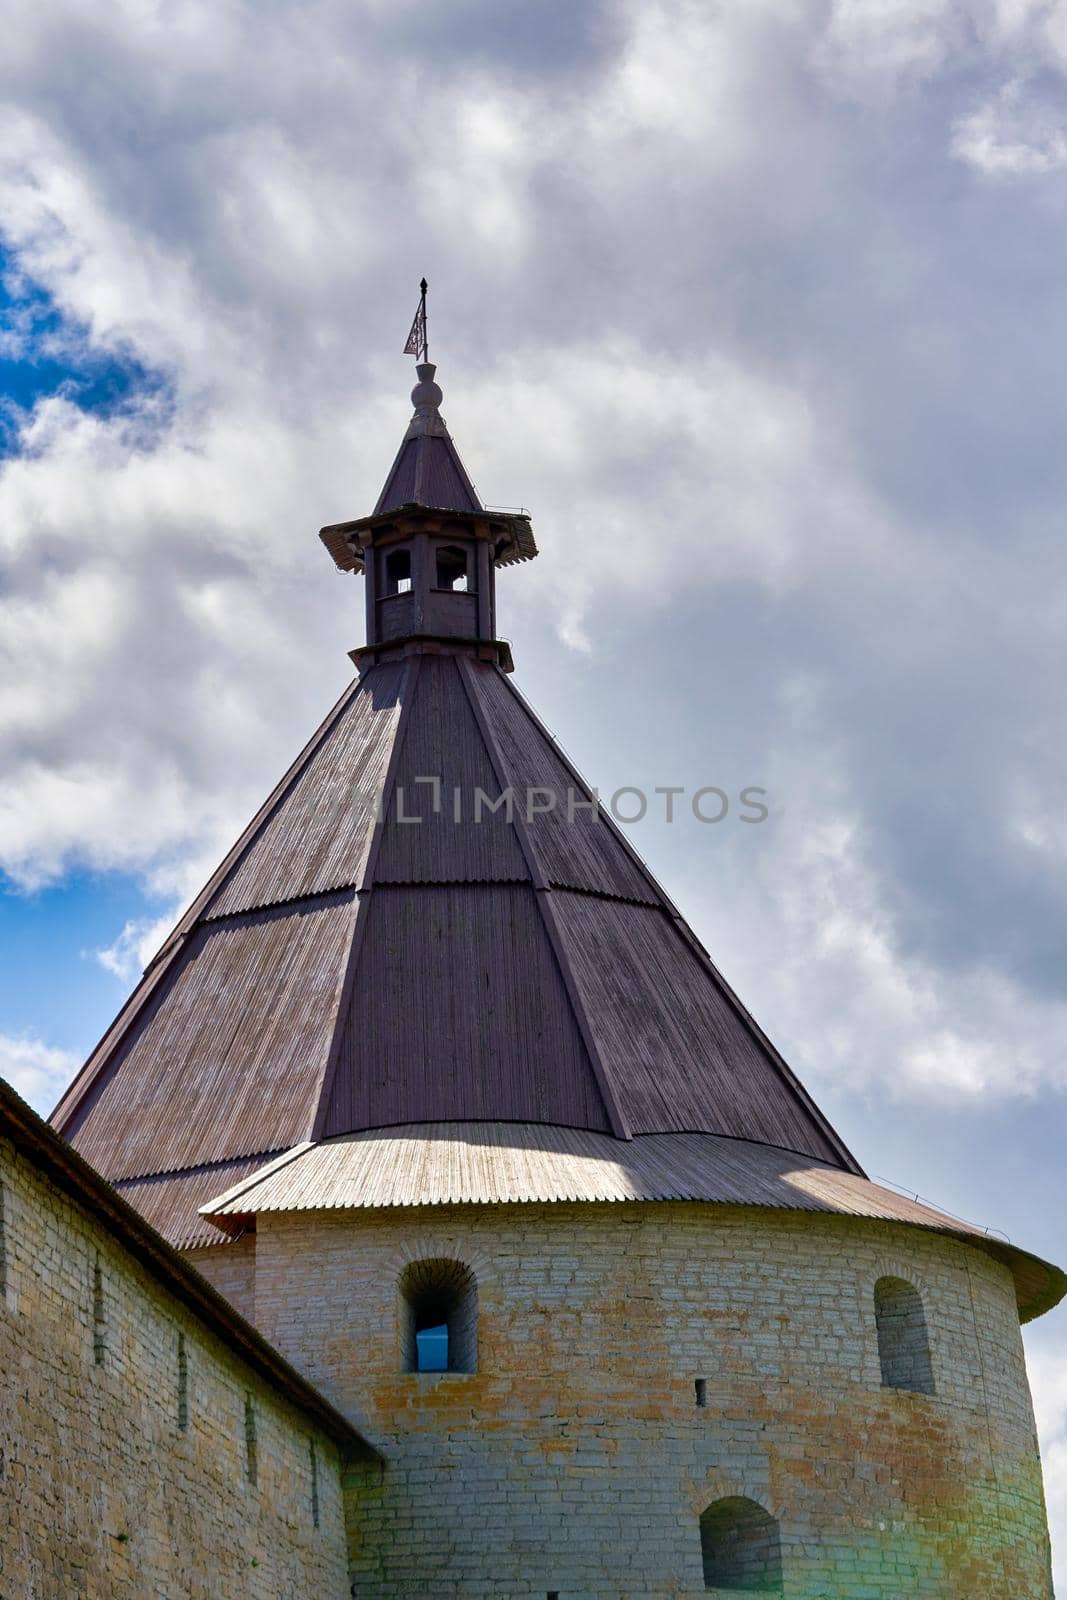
<point x="575" y="1459"/>
<point x="104" y="1493"/>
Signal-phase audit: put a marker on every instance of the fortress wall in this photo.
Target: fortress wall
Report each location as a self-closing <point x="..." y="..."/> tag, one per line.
<point x="110" y="1487"/>
<point x="576" y="1460"/>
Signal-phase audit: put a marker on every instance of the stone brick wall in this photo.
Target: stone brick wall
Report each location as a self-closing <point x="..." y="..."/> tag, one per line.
<point x="231" y="1269"/>
<point x="125" y="1470"/>
<point x="576" y="1460"/>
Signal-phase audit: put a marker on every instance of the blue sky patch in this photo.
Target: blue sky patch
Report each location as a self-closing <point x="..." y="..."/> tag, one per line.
<point x="43" y="353"/>
<point x="51" y="980"/>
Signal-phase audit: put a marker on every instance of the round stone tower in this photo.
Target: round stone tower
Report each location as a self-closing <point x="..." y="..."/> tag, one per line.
<point x="437" y="1085"/>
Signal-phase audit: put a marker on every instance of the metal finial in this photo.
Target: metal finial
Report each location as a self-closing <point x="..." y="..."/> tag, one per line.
<point x="418" y="344"/>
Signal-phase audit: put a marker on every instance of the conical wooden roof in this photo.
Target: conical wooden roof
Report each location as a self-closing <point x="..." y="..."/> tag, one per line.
<point x="347" y="968"/>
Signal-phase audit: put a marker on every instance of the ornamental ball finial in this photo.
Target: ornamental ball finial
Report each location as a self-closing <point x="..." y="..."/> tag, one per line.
<point x="426" y="393"/>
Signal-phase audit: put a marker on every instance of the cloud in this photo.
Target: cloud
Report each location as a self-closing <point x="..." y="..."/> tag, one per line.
<point x="808" y="937"/>
<point x="131" y="951"/>
<point x="37" y="1071"/>
<point x="1013" y="135"/>
<point x="875" y="46"/>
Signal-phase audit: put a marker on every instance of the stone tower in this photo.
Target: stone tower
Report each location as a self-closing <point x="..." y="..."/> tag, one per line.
<point x="436" y="1084"/>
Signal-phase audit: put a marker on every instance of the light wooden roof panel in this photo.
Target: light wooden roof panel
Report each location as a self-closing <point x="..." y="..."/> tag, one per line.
<point x="494" y="1163"/>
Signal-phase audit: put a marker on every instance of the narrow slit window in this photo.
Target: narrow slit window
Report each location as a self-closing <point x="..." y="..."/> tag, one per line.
<point x="314" y="1485"/>
<point x="903" y="1344"/>
<point x="700" y="1387"/>
<point x="438" y="1317"/>
<point x="99" y="1318"/>
<point x="251" y="1442"/>
<point x="741" y="1548"/>
<point x="183" y="1384"/>
<point x="3" y="1244"/>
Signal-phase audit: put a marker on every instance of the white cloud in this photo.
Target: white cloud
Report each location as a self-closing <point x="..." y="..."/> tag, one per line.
<point x="1014" y="135"/>
<point x="37" y="1071"/>
<point x="872" y="46"/>
<point x="133" y="948"/>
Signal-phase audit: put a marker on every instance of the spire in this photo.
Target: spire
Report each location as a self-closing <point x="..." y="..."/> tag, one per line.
<point x="429" y="551"/>
<point x="427" y="470"/>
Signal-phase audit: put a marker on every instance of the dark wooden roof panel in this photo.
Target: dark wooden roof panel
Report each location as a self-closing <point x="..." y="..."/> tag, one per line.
<point x="428" y="472"/>
<point x="171" y="1201"/>
<point x="459" y="1006"/>
<point x="442" y="741"/>
<point x="680" y="1056"/>
<point x="318" y="834"/>
<point x="227" y="1057"/>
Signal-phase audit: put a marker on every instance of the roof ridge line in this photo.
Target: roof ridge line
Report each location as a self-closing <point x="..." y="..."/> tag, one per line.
<point x="361" y="901"/>
<point x="542" y="896"/>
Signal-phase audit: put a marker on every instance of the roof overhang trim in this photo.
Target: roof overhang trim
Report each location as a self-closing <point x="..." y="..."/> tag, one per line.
<point x="502" y="1164"/>
<point x="510" y="533"/>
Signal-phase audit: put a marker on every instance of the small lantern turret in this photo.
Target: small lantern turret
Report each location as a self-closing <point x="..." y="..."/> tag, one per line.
<point x="430" y="550"/>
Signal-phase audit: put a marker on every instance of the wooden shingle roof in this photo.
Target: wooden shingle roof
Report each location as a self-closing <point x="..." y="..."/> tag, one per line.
<point x="347" y="969"/>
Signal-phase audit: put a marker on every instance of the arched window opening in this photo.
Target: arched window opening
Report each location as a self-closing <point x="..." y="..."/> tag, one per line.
<point x="438" y="1317"/>
<point x="903" y="1346"/>
<point x="452" y="568"/>
<point x="741" y="1547"/>
<point x="397" y="572"/>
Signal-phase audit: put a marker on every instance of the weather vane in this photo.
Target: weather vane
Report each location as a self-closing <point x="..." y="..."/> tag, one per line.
<point x="418" y="345"/>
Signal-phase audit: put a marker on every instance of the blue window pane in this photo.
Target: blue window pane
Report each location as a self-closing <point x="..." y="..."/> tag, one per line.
<point x="432" y="1345"/>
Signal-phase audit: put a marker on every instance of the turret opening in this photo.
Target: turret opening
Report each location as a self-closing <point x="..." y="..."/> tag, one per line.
<point x="438" y="1317"/>
<point x="741" y="1548"/>
<point x="452" y="569"/>
<point x="397" y="576"/>
<point x="903" y="1344"/>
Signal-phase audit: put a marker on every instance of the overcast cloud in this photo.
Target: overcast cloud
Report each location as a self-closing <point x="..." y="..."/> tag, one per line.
<point x="760" y="308"/>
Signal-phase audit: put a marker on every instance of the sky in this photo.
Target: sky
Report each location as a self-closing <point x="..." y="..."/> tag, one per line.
<point x="761" y="310"/>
